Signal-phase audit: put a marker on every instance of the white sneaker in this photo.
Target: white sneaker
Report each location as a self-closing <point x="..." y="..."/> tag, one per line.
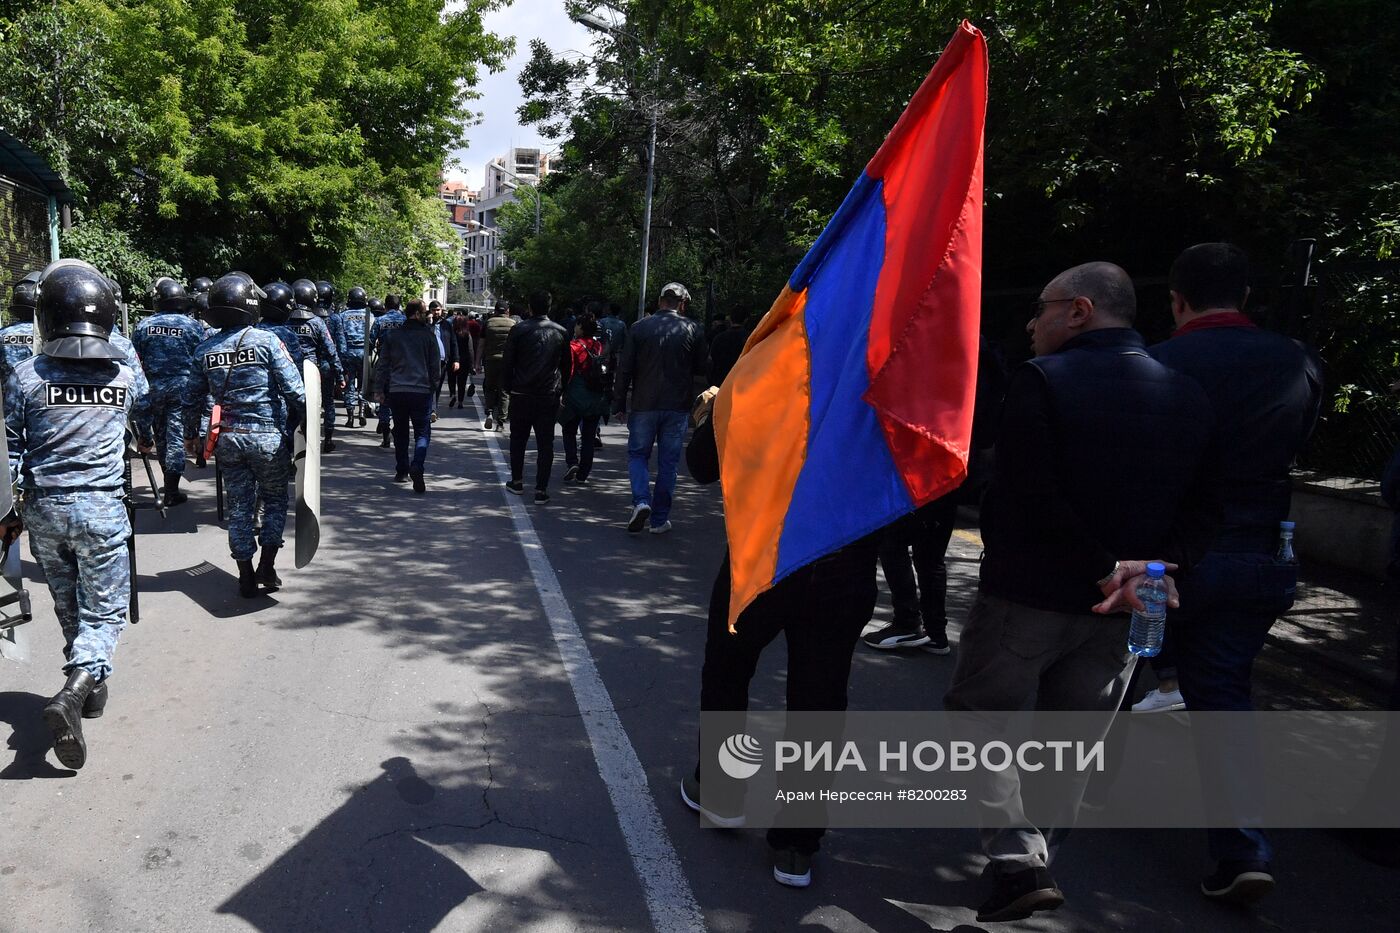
<point x="638" y="521"/>
<point x="1158" y="702"/>
<point x="660" y="529"/>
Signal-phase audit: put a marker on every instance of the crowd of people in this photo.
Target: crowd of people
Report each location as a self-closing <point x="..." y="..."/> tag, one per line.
<point x="1091" y="460"/>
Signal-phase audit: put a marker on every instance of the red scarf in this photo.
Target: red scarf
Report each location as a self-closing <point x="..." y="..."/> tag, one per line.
<point x="1215" y="319"/>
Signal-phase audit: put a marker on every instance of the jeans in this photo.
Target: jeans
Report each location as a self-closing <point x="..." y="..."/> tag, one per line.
<point x="928" y="532"/>
<point x="572" y="455"/>
<point x="497" y="401"/>
<point x="665" y="429"/>
<point x="411" y="408"/>
<point x="1229" y="601"/>
<point x="1012" y="653"/>
<point x="532" y="413"/>
<point x="820" y="610"/>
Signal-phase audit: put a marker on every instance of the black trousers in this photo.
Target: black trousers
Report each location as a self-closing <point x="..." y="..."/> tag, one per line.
<point x="458" y="383"/>
<point x="820" y="610"/>
<point x="532" y="413"/>
<point x="576" y="454"/>
<point x="927" y="531"/>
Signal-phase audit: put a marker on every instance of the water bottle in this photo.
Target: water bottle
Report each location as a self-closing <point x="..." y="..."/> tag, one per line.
<point x="1150" y="622"/>
<point x="1285" y="553"/>
<point x="1286" y="559"/>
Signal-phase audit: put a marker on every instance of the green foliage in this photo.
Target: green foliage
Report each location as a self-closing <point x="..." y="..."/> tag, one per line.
<point x="396" y="250"/>
<point x="115" y="253"/>
<point x="260" y="134"/>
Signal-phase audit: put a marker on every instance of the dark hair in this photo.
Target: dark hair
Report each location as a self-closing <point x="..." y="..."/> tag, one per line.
<point x="614" y="309"/>
<point x="415" y="307"/>
<point x="594" y="308"/>
<point x="587" y="324"/>
<point x="516" y="305"/>
<point x="434" y="305"/>
<point x="540" y="302"/>
<point x="1211" y="275"/>
<point x="392" y="302"/>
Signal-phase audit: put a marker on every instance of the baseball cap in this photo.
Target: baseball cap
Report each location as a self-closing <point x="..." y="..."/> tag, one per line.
<point x="675" y="290"/>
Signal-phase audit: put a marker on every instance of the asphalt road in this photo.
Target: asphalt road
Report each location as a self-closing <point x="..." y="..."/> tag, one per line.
<point x="406" y="739"/>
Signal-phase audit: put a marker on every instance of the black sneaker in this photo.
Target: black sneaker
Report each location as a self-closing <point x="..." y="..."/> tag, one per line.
<point x="571" y="474"/>
<point x="1240" y="883"/>
<point x="1019" y="894"/>
<point x="516" y="486"/>
<point x="892" y="637"/>
<point x="791" y="867"/>
<point x="418" y="485"/>
<point x="489" y="424"/>
<point x="938" y="642"/>
<point x="690" y="795"/>
<point x="541" y="497"/>
<point x="400" y="477"/>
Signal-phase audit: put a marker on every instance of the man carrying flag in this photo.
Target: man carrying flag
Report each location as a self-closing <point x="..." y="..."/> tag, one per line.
<point x="850" y="406"/>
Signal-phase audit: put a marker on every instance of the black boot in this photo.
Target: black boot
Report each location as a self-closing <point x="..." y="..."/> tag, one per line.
<point x="173" y="495"/>
<point x="63" y="716"/>
<point x="385" y="443"/>
<point x="327" y="445"/>
<point x="247" y="580"/>
<point x="96" y="702"/>
<point x="267" y="573"/>
<point x="349" y="420"/>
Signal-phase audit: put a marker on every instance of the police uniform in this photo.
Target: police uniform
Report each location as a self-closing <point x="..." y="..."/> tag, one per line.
<point x="317" y="344"/>
<point x="382" y="325"/>
<point x="247" y="379"/>
<point x="16" y="346"/>
<point x="166" y="344"/>
<point x="353" y="324"/>
<point x="66" y="416"/>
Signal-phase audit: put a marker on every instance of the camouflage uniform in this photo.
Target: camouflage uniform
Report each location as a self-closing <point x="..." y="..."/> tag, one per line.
<point x="254" y="451"/>
<point x="288" y="335"/>
<point x="352" y="357"/>
<point x="66" y="424"/>
<point x="166" y="344"/>
<point x="16" y="346"/>
<point x="382" y="325"/>
<point x="317" y="343"/>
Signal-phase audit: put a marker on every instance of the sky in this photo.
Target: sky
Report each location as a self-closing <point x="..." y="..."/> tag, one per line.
<point x="499" y="128"/>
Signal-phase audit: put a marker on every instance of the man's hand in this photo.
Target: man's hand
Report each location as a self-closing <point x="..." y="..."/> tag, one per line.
<point x="456" y="366"/>
<point x="145" y="447"/>
<point x="10" y="527"/>
<point x="703" y="405"/>
<point x="1120" y="590"/>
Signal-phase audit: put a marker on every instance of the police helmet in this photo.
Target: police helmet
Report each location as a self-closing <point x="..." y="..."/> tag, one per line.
<point x="325" y="293"/>
<point x="356" y="299"/>
<point x="234" y="301"/>
<point x="23" y="297"/>
<point x="166" y="294"/>
<point x="303" y="299"/>
<point x="75" y="311"/>
<point x="277" y="309"/>
<point x="376" y="306"/>
<point x="201" y="285"/>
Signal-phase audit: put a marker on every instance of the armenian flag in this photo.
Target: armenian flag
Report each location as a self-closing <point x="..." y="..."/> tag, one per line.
<point x="852" y="402"/>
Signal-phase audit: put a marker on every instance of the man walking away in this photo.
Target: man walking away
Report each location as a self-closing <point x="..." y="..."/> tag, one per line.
<point x="1263" y="390"/>
<point x="1101" y="457"/>
<point x="408" y="370"/>
<point x="663" y="355"/>
<point x="726" y="349"/>
<point x="498" y="328"/>
<point x="534" y="368"/>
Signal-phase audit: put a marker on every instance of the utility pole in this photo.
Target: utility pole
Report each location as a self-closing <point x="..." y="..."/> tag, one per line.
<point x="651" y="184"/>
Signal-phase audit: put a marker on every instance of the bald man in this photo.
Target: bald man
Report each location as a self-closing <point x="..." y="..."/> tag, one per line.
<point x="1101" y="466"/>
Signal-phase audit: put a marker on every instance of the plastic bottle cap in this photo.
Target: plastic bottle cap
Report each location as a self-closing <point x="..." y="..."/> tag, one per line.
<point x="1156" y="569"/>
<point x="1286" y="526"/>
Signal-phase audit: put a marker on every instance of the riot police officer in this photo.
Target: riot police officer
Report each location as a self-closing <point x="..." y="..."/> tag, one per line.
<point x="166" y="342"/>
<point x="316" y="340"/>
<point x="246" y="370"/>
<point x="354" y="328"/>
<point x="276" y="314"/>
<point x="392" y="318"/>
<point x="66" y="415"/>
<point x="17" y="338"/>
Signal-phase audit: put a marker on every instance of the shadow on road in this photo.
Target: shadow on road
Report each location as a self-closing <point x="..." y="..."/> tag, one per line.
<point x="30" y="738"/>
<point x="212" y="588"/>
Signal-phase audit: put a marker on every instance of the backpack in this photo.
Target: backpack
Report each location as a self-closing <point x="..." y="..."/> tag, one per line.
<point x="598" y="374"/>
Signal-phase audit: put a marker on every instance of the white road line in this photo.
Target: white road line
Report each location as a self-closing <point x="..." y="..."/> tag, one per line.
<point x="669" y="899"/>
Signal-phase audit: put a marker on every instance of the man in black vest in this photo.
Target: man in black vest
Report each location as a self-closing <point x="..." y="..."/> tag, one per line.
<point x="1263" y="391"/>
<point x="1101" y="458"/>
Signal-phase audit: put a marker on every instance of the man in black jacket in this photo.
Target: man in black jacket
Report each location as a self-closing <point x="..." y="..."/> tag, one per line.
<point x="408" y="369"/>
<point x="533" y="372"/>
<point x="1101" y="458"/>
<point x="1263" y="391"/>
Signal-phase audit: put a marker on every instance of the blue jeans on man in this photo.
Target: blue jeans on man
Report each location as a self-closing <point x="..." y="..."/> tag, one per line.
<point x="411" y="408"/>
<point x="665" y="430"/>
<point x="1229" y="601"/>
